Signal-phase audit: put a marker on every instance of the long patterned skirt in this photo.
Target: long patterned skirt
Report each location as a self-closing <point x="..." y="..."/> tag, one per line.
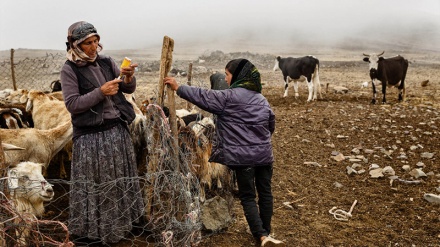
<point x="105" y="195"/>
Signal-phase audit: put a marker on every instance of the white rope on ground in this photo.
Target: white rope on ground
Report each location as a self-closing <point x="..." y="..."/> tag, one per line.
<point x="340" y="214"/>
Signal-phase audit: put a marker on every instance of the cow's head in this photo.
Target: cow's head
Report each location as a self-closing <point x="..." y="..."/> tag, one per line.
<point x="373" y="59"/>
<point x="277" y="63"/>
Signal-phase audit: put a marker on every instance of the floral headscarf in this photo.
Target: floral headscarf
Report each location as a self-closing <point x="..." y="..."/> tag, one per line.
<point x="77" y="33"/>
<point x="246" y="75"/>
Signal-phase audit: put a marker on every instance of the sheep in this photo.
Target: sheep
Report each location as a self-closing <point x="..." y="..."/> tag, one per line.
<point x="138" y="133"/>
<point x="28" y="193"/>
<point x="40" y="145"/>
<point x="3" y="94"/>
<point x="47" y="113"/>
<point x="28" y="188"/>
<point x="14" y="96"/>
<point x="196" y="139"/>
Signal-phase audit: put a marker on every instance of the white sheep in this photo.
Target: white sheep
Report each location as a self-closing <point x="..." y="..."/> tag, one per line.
<point x="29" y="190"/>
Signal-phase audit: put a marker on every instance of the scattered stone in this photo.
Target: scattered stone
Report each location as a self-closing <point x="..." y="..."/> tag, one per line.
<point x="361" y="171"/>
<point x="373" y="166"/>
<point x="388" y="171"/>
<point x="351" y="170"/>
<point x="432" y="198"/>
<point x="354" y="160"/>
<point x="406" y="167"/>
<point x="368" y="151"/>
<point x="215" y="214"/>
<point x="312" y="163"/>
<point x="376" y="173"/>
<point x="427" y="155"/>
<point x="424" y="83"/>
<point x="339" y="157"/>
<point x="340" y="89"/>
<point x="417" y="173"/>
<point x="338" y="185"/>
<point x="420" y="164"/>
<point x="356" y="165"/>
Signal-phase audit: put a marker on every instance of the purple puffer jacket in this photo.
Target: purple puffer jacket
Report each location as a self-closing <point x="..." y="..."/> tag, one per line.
<point x="244" y="125"/>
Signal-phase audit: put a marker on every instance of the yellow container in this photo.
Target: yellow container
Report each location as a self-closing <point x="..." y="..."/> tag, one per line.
<point x="125" y="63"/>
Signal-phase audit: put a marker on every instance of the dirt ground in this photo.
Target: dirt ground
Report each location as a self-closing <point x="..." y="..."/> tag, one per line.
<point x="308" y="181"/>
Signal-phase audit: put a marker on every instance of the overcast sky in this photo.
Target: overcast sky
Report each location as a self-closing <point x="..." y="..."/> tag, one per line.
<point x="137" y="24"/>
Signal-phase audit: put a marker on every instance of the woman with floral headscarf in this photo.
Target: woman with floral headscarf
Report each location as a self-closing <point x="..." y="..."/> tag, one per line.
<point x="244" y="126"/>
<point x="105" y="195"/>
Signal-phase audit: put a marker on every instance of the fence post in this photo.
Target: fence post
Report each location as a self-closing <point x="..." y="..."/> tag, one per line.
<point x="14" y="85"/>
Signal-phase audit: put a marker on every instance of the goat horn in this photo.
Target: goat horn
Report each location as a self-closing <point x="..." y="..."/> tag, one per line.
<point x="381" y="53"/>
<point x="366" y="55"/>
<point x="7" y="146"/>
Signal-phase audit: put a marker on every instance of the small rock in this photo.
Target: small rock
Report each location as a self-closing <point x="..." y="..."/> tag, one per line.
<point x="417" y="173"/>
<point x="432" y="198"/>
<point x="427" y="155"/>
<point x="376" y="173"/>
<point x="406" y="167"/>
<point x="338" y="185"/>
<point x="373" y="166"/>
<point x="388" y="171"/>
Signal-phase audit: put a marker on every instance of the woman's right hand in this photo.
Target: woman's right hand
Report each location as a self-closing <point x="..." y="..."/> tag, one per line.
<point x="111" y="87"/>
<point x="171" y="81"/>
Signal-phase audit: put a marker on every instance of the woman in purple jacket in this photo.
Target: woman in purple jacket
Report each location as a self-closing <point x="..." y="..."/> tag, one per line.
<point x="244" y="126"/>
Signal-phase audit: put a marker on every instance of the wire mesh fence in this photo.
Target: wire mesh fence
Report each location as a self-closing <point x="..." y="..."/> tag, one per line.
<point x="172" y="190"/>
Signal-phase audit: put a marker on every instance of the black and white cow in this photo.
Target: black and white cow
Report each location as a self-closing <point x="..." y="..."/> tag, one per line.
<point x="300" y="69"/>
<point x="218" y="81"/>
<point x="389" y="71"/>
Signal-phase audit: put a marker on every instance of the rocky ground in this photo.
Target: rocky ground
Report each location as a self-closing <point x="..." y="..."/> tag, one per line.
<point x="324" y="151"/>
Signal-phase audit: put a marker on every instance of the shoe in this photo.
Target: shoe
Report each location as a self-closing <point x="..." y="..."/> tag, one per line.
<point x="271" y="242"/>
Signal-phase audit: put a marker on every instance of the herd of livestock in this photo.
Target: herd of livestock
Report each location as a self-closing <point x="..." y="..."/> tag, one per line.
<point x="36" y="127"/>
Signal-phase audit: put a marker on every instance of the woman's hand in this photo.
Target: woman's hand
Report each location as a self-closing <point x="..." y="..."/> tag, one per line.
<point x="128" y="72"/>
<point x="111" y="87"/>
<point x="171" y="81"/>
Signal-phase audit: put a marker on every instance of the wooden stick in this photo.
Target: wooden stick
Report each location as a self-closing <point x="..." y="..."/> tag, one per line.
<point x="165" y="65"/>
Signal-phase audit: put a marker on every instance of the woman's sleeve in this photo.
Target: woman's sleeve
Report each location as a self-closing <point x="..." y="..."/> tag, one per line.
<point x="75" y="102"/>
<point x="213" y="101"/>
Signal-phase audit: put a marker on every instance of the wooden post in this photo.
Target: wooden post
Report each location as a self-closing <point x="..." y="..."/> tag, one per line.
<point x="14" y="85"/>
<point x="165" y="65"/>
<point x="188" y="104"/>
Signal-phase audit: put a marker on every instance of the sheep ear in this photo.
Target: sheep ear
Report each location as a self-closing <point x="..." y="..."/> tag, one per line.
<point x="12" y="179"/>
<point x="29" y="105"/>
<point x="23" y="98"/>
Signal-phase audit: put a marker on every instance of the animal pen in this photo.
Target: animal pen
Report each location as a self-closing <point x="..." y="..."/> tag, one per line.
<point x="167" y="171"/>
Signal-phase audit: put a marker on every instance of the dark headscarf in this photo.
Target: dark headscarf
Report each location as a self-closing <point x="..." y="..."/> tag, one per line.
<point x="76" y="34"/>
<point x="244" y="75"/>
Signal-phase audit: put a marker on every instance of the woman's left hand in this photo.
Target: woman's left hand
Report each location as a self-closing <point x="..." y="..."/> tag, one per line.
<point x="128" y="72"/>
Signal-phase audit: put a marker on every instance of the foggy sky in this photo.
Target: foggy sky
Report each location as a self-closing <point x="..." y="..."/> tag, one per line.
<point x="136" y="24"/>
